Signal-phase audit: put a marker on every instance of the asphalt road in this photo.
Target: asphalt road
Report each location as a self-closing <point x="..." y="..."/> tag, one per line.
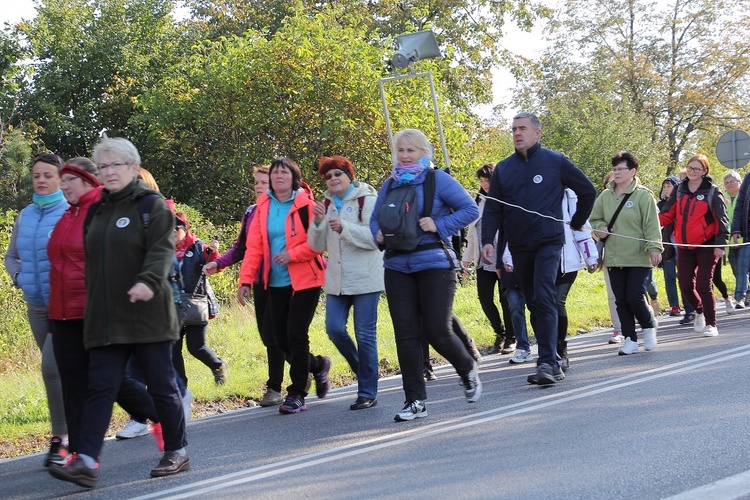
<point x="667" y="423"/>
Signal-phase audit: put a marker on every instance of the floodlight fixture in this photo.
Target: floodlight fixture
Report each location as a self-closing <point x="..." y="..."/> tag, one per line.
<point x="413" y="47"/>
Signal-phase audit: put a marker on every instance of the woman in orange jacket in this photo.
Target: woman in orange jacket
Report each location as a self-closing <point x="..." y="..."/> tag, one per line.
<point x="293" y="274"/>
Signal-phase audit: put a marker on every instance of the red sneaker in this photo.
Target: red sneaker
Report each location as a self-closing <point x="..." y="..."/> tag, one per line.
<point x="674" y="311"/>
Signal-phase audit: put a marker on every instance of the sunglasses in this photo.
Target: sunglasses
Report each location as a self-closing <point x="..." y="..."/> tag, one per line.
<point x="48" y="158"/>
<point x="335" y="173"/>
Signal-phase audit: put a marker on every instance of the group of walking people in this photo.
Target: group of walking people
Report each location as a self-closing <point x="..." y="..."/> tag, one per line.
<point x="101" y="295"/>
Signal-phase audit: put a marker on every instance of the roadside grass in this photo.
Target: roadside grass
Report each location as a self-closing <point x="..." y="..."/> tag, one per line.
<point x="24" y="426"/>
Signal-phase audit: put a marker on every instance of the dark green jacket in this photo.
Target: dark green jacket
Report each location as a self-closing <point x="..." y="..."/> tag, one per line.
<point x="120" y="253"/>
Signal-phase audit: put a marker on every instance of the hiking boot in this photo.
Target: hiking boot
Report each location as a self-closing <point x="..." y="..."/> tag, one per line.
<point x="628" y="347"/>
<point x="158" y="434"/>
<point x="171" y="463"/>
<point x="472" y="385"/>
<point x="649" y="339"/>
<point x="58" y="452"/>
<point x="293" y="404"/>
<point x="520" y="356"/>
<point x="220" y="374"/>
<point x="674" y="311"/>
<point x="133" y="429"/>
<point x="412" y="409"/>
<point x="689" y="319"/>
<point x="498" y="345"/>
<point x="271" y="398"/>
<point x="75" y="471"/>
<point x="546" y="375"/>
<point x="700" y="323"/>
<point x="321" y="378"/>
<point x="562" y="351"/>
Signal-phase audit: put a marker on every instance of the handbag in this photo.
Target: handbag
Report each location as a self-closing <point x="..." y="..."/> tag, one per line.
<point x="600" y="243"/>
<point x="193" y="308"/>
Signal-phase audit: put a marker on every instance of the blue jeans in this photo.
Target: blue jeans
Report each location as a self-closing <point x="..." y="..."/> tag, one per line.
<point x="362" y="357"/>
<point x="743" y="264"/>
<point x="517" y="307"/>
<point x="670" y="281"/>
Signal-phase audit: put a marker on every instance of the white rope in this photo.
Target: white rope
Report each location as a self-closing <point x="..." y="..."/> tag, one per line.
<point x="729" y="245"/>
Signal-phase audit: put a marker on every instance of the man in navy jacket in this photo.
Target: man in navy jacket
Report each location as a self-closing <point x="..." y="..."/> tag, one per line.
<point x="529" y="185"/>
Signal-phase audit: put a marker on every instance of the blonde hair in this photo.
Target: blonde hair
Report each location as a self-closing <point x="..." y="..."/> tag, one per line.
<point x="417" y="139"/>
<point x="147" y="178"/>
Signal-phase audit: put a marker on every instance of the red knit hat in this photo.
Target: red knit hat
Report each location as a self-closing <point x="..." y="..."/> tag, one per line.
<point x="86" y="177"/>
<point x="181" y="220"/>
<point x="328" y="163"/>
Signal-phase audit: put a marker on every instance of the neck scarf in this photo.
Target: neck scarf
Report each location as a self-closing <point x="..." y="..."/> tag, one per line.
<point x="406" y="174"/>
<point x="47" y="199"/>
<point x="182" y="246"/>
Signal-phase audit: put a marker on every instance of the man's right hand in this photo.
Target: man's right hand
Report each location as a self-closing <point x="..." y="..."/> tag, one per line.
<point x="487" y="251"/>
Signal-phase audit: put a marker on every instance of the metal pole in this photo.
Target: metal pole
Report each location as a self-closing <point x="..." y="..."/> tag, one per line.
<point x="439" y="125"/>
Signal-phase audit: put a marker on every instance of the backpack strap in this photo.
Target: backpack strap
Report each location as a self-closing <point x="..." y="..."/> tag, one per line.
<point x="90" y="215"/>
<point x="304" y="215"/>
<point x="429" y="193"/>
<point x="145" y="204"/>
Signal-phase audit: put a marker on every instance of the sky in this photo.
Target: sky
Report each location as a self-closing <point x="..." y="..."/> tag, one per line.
<point x="529" y="45"/>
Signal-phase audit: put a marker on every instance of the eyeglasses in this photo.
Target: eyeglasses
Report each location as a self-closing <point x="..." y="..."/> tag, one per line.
<point x="114" y="165"/>
<point x="731" y="181"/>
<point x="619" y="169"/>
<point x="695" y="169"/>
<point x="335" y="173"/>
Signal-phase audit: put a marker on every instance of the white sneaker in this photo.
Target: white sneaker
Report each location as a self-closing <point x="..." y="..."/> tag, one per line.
<point x="187" y="403"/>
<point x="710" y="331"/>
<point x="649" y="339"/>
<point x="729" y="303"/>
<point x="616" y="338"/>
<point x="132" y="430"/>
<point x="520" y="356"/>
<point x="628" y="347"/>
<point x="700" y="323"/>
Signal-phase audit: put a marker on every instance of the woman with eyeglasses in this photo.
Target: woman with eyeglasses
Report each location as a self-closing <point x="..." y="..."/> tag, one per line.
<point x="354" y="275"/>
<point x="739" y="257"/>
<point x="700" y="221"/>
<point x="27" y="262"/>
<point x="629" y="260"/>
<point x="293" y="273"/>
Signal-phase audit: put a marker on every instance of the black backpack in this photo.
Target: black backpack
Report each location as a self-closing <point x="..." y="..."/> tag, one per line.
<point x="398" y="218"/>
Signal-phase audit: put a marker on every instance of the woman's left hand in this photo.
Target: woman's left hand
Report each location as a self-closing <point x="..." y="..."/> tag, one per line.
<point x="427" y="225"/>
<point x="655" y="258"/>
<point x="282" y="258"/>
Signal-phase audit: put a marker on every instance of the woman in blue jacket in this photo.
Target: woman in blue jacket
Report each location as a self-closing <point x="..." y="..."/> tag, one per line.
<point x="27" y="262"/>
<point x="420" y="284"/>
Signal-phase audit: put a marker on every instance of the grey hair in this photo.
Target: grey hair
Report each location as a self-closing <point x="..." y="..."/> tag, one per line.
<point x="84" y="164"/>
<point x="417" y="138"/>
<point x="120" y="147"/>
<point x="534" y="120"/>
<point x="734" y="174"/>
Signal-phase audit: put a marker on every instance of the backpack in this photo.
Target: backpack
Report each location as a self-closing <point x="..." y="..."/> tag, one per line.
<point x="398" y="218"/>
<point x="145" y="204"/>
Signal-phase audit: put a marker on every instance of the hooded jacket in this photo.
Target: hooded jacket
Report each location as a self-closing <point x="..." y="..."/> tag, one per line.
<point x="741" y="217"/>
<point x="120" y="252"/>
<point x="355" y="263"/>
<point x="698" y="220"/>
<point x="305" y="267"/>
<point x="67" y="257"/>
<point x="664" y="204"/>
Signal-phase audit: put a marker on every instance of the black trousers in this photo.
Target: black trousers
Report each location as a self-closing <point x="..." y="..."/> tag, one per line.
<point x="265" y="328"/>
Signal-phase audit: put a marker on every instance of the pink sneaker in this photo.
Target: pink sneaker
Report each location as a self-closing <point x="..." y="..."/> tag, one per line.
<point x="157" y="433"/>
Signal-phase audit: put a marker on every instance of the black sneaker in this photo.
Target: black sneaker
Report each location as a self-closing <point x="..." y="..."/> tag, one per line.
<point x="171" y="463"/>
<point x="58" y="452"/>
<point x="321" y="378"/>
<point x="498" y="345"/>
<point x="75" y="471"/>
<point x="472" y="384"/>
<point x="412" y="409"/>
<point x="428" y="374"/>
<point x="546" y="375"/>
<point x="509" y="347"/>
<point x="293" y="404"/>
<point x="689" y="319"/>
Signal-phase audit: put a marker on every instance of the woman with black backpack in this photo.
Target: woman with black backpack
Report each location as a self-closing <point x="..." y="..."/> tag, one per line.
<point x="417" y="211"/>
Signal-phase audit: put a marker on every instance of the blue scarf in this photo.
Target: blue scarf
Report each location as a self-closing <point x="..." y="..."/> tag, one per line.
<point x="47" y="199"/>
<point x="406" y="174"/>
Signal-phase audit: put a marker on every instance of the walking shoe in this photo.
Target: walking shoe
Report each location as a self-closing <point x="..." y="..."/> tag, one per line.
<point x="429" y="374"/>
<point x="362" y="403"/>
<point x="321" y="378"/>
<point x="133" y="429"/>
<point x="674" y="311"/>
<point x="509" y="347"/>
<point x="729" y="304"/>
<point x="158" y="434"/>
<point x="187" y="404"/>
<point x="58" y="452"/>
<point x="75" y="471"/>
<point x="562" y="353"/>
<point x="412" y="409"/>
<point x="520" y="356"/>
<point x="271" y="398"/>
<point x="710" y="331"/>
<point x="220" y="373"/>
<point x="649" y="339"/>
<point x="747" y="299"/>
<point x="688" y="319"/>
<point x="700" y="323"/>
<point x="293" y="404"/>
<point x="171" y="463"/>
<point x="628" y="347"/>
<point x="498" y="345"/>
<point x="739" y="305"/>
<point x="472" y="385"/>
<point x="546" y="375"/>
<point x="616" y="338"/>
